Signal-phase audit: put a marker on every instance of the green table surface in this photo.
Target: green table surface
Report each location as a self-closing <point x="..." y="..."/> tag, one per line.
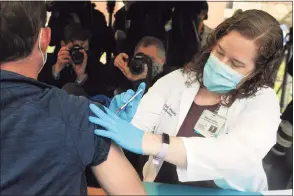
<point x="170" y="189"/>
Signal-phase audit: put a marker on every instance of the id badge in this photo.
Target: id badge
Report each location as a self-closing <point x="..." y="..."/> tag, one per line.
<point x="209" y="124"/>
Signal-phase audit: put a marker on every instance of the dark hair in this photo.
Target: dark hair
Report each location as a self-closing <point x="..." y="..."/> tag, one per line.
<point x="151" y="41"/>
<point x="238" y="11"/>
<point x="75" y="31"/>
<point x="20" y="24"/>
<point x="255" y="25"/>
<point x="205" y="8"/>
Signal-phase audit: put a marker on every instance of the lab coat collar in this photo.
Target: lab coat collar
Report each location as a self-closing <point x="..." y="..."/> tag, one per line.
<point x="186" y="101"/>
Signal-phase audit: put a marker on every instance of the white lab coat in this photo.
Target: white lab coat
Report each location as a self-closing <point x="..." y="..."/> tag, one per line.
<point x="233" y="159"/>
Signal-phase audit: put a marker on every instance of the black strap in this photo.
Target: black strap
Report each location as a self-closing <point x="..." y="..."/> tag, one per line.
<point x="165" y="138"/>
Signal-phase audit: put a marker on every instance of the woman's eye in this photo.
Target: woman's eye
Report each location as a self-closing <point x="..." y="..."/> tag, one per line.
<point x="219" y="53"/>
<point x="236" y="65"/>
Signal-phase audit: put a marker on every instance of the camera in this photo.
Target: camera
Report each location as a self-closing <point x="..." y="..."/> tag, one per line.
<point x="138" y="62"/>
<point x="76" y="56"/>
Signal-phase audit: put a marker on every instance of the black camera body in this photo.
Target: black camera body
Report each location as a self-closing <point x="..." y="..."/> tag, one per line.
<point x="76" y="56"/>
<point x="138" y="62"/>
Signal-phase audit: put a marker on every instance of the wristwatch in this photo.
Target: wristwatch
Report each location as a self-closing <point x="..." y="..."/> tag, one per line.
<point x="163" y="151"/>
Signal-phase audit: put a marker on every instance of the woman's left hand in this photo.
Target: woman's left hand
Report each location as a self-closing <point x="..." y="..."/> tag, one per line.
<point x="120" y="131"/>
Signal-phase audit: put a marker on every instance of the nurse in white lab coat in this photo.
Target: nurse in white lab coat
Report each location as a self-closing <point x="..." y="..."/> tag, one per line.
<point x="235" y="72"/>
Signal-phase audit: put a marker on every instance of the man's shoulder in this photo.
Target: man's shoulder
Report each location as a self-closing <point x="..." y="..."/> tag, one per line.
<point x="62" y="95"/>
<point x="75" y="111"/>
<point x="69" y="107"/>
<point x="68" y="102"/>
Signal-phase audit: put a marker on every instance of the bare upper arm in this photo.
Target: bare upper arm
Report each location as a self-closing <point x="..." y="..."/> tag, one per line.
<point x="117" y="176"/>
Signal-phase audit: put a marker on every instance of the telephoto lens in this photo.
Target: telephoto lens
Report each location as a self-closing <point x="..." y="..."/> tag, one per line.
<point x="138" y="62"/>
<point x="76" y="56"/>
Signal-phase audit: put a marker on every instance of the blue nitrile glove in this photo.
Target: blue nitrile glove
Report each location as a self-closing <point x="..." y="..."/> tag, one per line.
<point x="119" y="100"/>
<point x="120" y="131"/>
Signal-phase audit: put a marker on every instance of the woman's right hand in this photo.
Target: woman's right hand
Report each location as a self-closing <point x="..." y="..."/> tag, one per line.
<point x="120" y="131"/>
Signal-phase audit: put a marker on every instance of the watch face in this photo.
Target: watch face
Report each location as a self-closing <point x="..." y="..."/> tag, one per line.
<point x="165" y="138"/>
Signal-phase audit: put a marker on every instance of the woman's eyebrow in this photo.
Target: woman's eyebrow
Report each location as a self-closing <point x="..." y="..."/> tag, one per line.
<point x="236" y="60"/>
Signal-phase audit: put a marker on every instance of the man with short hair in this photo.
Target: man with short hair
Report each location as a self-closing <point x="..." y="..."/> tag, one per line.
<point x="150" y="46"/>
<point x="85" y="78"/>
<point x="46" y="139"/>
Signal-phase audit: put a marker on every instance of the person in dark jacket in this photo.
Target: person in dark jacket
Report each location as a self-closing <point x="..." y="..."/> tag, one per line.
<point x="88" y="78"/>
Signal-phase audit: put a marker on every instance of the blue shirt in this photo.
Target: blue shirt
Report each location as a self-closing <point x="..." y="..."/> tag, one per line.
<point x="46" y="139"/>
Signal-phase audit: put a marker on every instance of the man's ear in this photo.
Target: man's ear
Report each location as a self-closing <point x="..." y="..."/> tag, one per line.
<point x="45" y="39"/>
<point x="162" y="60"/>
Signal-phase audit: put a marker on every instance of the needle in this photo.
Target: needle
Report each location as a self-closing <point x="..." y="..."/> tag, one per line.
<point x="131" y="99"/>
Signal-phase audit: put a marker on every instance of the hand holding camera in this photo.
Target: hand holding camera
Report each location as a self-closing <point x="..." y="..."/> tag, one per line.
<point x="134" y="69"/>
<point x="120" y="61"/>
<point x="79" y="61"/>
<point x="72" y="55"/>
<point x="63" y="58"/>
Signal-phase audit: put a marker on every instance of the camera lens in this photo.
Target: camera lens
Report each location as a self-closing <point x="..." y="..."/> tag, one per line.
<point x="138" y="62"/>
<point x="136" y="67"/>
<point x="76" y="56"/>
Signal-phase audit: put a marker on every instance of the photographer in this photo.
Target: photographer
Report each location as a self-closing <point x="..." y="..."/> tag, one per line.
<point x="75" y="67"/>
<point x="150" y="50"/>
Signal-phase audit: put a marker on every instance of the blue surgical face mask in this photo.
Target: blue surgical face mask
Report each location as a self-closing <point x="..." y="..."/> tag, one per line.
<point x="219" y="77"/>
